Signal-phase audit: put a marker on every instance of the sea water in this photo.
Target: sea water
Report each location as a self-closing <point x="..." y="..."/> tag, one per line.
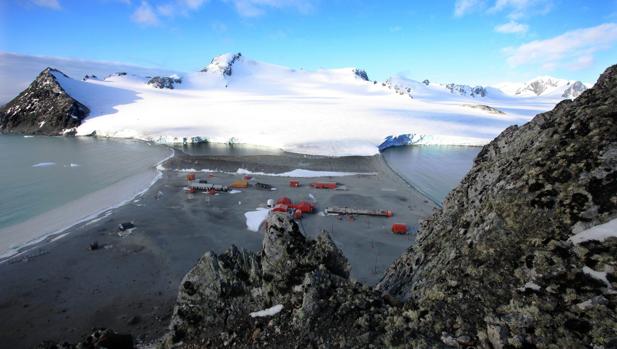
<point x="38" y="174"/>
<point x="434" y="170"/>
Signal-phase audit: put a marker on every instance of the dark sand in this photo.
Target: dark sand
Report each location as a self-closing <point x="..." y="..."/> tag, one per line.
<point x="60" y="290"/>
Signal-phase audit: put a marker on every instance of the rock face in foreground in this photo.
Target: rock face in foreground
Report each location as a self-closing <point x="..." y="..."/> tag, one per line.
<point x="302" y="285"/>
<point x="44" y="108"/>
<point x="496" y="264"/>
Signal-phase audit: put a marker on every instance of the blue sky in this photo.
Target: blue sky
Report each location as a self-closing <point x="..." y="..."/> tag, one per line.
<point x="466" y="41"/>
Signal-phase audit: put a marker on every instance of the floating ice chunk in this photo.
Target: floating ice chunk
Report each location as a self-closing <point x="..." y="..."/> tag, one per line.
<point x="268" y="312"/>
<point x="44" y="164"/>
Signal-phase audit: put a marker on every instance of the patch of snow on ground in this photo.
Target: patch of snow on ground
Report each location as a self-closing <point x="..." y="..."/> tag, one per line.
<point x="268" y="312"/>
<point x="598" y="233"/>
<point x="598" y="275"/>
<point x="300" y="173"/>
<point x="254" y="219"/>
<point x="234" y="191"/>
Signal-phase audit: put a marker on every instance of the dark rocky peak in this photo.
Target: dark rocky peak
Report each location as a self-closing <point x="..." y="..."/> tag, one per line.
<point x="43" y="108"/>
<point x="168" y="82"/>
<point x="426" y="82"/>
<point x="89" y="77"/>
<point x="361" y="73"/>
<point x="223" y="64"/>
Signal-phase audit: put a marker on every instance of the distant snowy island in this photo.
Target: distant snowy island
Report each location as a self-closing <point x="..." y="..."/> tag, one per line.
<point x="234" y="99"/>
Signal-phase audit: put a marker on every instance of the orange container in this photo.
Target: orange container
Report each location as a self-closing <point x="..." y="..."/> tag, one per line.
<point x="323" y="185"/>
<point x="294" y="183"/>
<point x="284" y="201"/>
<point x="399" y="228"/>
<point x="190" y="177"/>
<point x="304" y="206"/>
<point x="240" y="184"/>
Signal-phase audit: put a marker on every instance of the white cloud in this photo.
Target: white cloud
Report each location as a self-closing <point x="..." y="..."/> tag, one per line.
<point x="395" y="29"/>
<point x="573" y="49"/>
<point x="52" y="4"/>
<point x="522" y="8"/>
<point x="145" y="15"/>
<point x="463" y="7"/>
<point x="512" y="27"/>
<point x="254" y="8"/>
<point x="513" y="9"/>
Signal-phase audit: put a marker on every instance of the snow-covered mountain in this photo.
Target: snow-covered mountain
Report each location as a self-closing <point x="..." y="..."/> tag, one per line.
<point x="326" y="112"/>
<point x="545" y="86"/>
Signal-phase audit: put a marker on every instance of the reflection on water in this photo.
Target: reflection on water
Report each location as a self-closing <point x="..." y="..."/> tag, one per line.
<point x="433" y="169"/>
<point x="227" y="149"/>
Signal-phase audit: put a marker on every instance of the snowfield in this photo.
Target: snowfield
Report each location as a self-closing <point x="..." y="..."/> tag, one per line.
<point x="331" y="112"/>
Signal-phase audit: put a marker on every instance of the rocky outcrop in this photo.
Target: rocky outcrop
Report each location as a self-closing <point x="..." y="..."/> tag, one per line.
<point x="496" y="264"/>
<point x="44" y="108"/>
<point x="464" y="90"/>
<point x="361" y="73"/>
<point x="167" y="82"/>
<point x="484" y="107"/>
<point x="294" y="292"/>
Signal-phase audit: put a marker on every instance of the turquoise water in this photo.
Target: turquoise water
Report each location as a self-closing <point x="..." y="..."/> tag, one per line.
<point x="432" y="169"/>
<point x="40" y="173"/>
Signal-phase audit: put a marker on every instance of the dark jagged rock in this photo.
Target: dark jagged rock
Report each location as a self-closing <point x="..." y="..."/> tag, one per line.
<point x="361" y="73"/>
<point x="426" y="82"/>
<point x="43" y="108"/>
<point x="308" y="278"/>
<point x="496" y="264"/>
<point x="164" y="82"/>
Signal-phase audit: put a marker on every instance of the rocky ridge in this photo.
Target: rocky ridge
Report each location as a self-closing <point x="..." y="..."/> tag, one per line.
<point x="465" y="90"/>
<point x="163" y="82"/>
<point x="44" y="108"/>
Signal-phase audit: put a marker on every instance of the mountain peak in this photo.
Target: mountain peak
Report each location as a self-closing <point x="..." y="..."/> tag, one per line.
<point x="43" y="108"/>
<point x="223" y="64"/>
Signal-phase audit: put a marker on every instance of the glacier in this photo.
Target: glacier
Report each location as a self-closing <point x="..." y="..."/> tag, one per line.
<point x="330" y="112"/>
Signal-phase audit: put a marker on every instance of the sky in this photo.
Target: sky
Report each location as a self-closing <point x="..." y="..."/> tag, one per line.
<point x="462" y="41"/>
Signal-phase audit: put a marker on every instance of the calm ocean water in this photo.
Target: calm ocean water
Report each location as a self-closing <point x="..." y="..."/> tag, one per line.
<point x="40" y="173"/>
<point x="433" y="170"/>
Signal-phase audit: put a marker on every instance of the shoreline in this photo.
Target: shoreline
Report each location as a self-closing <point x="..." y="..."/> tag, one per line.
<point x="63" y="288"/>
<point x="52" y="224"/>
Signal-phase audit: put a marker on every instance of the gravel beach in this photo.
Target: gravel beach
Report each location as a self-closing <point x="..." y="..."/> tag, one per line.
<point x="63" y="288"/>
